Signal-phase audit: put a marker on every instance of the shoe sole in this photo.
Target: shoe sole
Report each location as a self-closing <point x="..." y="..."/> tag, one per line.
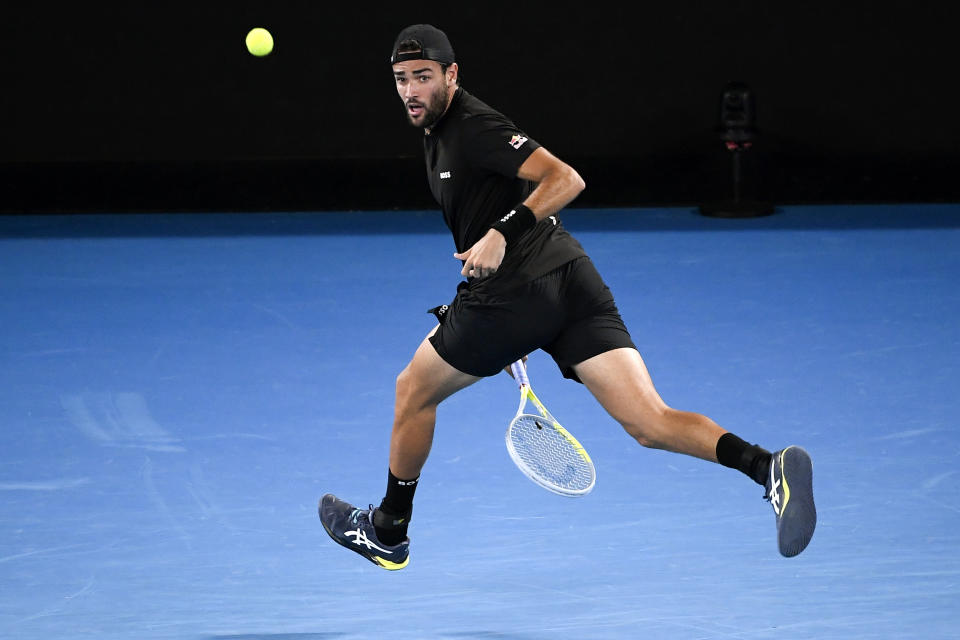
<point x="383" y="563"/>
<point x="799" y="514"/>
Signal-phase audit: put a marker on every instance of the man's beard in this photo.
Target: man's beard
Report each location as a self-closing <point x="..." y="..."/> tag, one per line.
<point x="432" y="110"/>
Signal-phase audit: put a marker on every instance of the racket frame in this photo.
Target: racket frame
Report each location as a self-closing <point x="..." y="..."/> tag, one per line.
<point x="526" y="394"/>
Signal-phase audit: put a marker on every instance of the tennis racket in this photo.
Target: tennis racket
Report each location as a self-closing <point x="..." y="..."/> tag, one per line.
<point x="543" y="450"/>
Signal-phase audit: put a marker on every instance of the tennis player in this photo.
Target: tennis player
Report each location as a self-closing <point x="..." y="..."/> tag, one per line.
<point x="529" y="285"/>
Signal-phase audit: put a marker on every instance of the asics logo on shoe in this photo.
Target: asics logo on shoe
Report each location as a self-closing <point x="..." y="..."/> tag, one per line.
<point x="774" y="495"/>
<point x="360" y="538"/>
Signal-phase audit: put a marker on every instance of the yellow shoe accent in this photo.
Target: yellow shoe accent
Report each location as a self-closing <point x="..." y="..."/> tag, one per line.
<point x="391" y="566"/>
<point x="786" y="487"/>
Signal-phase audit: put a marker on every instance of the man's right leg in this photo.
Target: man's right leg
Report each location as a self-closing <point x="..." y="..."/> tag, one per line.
<point x="380" y="534"/>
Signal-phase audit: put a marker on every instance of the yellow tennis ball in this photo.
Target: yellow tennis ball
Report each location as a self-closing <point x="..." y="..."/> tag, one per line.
<point x="259" y="42"/>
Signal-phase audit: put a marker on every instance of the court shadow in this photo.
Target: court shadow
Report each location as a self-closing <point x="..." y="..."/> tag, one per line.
<point x="492" y="635"/>
<point x="277" y="636"/>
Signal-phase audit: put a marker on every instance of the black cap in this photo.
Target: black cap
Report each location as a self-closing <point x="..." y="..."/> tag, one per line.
<point x="434" y="45"/>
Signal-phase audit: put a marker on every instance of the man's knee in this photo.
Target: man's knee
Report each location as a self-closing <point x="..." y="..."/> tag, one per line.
<point x="405" y="389"/>
<point x="647" y="428"/>
<point x="427" y="380"/>
<point x="415" y="391"/>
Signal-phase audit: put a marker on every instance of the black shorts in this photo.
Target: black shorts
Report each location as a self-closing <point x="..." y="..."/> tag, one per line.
<point x="569" y="313"/>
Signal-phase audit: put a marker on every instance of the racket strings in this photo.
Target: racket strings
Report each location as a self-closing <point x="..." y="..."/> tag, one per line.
<point x="550" y="455"/>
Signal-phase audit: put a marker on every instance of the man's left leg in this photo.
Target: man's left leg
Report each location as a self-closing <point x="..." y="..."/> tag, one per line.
<point x="621" y="383"/>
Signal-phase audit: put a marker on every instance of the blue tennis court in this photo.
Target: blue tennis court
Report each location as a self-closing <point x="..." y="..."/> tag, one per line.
<point x="178" y="390"/>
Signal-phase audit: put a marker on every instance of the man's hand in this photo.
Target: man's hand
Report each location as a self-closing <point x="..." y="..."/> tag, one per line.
<point x="484" y="258"/>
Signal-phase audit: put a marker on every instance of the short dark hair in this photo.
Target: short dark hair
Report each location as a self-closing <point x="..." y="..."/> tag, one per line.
<point x="408" y="46"/>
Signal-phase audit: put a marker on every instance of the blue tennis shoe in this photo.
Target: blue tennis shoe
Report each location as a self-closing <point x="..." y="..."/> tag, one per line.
<point x="790" y="493"/>
<point x="353" y="528"/>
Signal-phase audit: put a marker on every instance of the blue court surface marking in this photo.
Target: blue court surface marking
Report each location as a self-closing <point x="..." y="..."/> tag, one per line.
<point x="179" y="390"/>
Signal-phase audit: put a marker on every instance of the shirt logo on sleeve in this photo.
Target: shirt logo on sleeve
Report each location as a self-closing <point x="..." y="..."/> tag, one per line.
<point x="517" y="141"/>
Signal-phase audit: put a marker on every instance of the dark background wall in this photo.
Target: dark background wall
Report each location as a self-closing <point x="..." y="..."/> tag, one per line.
<point x="157" y="106"/>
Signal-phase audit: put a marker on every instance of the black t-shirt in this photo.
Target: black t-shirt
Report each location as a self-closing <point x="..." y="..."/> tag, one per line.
<point x="473" y="153"/>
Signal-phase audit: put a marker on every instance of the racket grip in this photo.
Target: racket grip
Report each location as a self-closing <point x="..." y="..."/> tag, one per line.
<point x="520" y="373"/>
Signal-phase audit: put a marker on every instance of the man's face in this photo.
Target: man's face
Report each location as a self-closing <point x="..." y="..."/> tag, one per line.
<point x="425" y="89"/>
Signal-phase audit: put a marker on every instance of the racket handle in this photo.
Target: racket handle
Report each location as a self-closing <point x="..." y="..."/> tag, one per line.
<point x="520" y="373"/>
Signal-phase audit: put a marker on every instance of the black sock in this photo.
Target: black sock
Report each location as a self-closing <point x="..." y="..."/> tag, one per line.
<point x="392" y="517"/>
<point x="738" y="454"/>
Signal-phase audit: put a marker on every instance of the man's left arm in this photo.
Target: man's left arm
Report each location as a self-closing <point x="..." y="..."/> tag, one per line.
<point x="557" y="185"/>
